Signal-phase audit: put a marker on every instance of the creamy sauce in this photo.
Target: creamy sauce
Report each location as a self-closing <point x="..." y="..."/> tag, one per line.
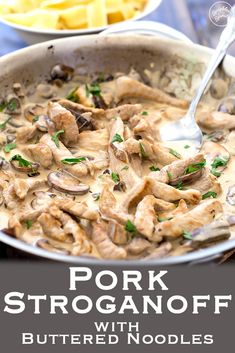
<point x="157" y="117"/>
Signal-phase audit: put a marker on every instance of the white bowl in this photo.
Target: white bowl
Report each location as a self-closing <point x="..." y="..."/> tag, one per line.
<point x="36" y="35"/>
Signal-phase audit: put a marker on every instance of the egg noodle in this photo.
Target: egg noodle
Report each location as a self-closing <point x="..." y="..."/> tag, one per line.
<point x="69" y="14"/>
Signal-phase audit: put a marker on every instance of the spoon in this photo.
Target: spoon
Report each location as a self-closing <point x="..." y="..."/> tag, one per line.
<point x="186" y="129"/>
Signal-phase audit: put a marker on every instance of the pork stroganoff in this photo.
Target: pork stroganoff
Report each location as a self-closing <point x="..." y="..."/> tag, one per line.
<point x="84" y="173"/>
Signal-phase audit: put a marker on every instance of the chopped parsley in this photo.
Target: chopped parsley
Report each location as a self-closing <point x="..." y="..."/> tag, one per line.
<point x="175" y="153"/>
<point x="22" y="162"/>
<point x="154" y="169"/>
<point x="96" y="196"/>
<point x="9" y="146"/>
<point x="130" y="227"/>
<point x="4" y="124"/>
<point x="72" y="96"/>
<point x="215" y="172"/>
<point x="117" y="138"/>
<point x="169" y="175"/>
<point x="12" y="105"/>
<point x="29" y="224"/>
<point x="187" y="235"/>
<point x="186" y="147"/>
<point x="209" y="194"/>
<point x="218" y="162"/>
<point x="115" y="177"/>
<point x="73" y="160"/>
<point x="3" y="106"/>
<point x="125" y="168"/>
<point x="164" y="219"/>
<point x="35" y="119"/>
<point x="180" y="185"/>
<point x="55" y="137"/>
<point x="93" y="89"/>
<point x="194" y="167"/>
<point x="142" y="151"/>
<point x="145" y="113"/>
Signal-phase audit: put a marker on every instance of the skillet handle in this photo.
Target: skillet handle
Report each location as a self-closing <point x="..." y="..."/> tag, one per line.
<point x="148" y="28"/>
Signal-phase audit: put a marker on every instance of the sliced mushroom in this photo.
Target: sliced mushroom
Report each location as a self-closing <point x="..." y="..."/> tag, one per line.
<point x="62" y="72"/>
<point x="10" y="138"/>
<point x="31" y="168"/>
<point x="33" y="110"/>
<point x="45" y="91"/>
<point x="83" y="120"/>
<point x="15" y="123"/>
<point x="162" y="251"/>
<point x="46" y="245"/>
<point x="17" y="88"/>
<point x="187" y="179"/>
<point x="119" y="152"/>
<point x="218" y="88"/>
<point x="231" y="195"/>
<point x="99" y="102"/>
<point x="117" y="129"/>
<point x="121" y="186"/>
<point x="4" y="164"/>
<point x="213" y="232"/>
<point x="41" y="199"/>
<point x="67" y="183"/>
<point x="227" y="106"/>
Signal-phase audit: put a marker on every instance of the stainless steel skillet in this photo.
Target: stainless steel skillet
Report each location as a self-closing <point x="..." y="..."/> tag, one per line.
<point x="96" y="54"/>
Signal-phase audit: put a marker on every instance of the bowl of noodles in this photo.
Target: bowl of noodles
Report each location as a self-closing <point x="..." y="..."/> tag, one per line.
<point x="41" y="20"/>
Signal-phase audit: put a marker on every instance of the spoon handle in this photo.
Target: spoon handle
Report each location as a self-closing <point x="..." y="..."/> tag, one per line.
<point x="226" y="39"/>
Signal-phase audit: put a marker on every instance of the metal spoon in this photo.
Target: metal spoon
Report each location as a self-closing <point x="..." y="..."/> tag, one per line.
<point x="186" y="128"/>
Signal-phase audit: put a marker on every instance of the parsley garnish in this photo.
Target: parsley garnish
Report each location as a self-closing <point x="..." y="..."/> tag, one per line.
<point x="169" y="175"/>
<point x="125" y="168"/>
<point x="35" y="119"/>
<point x="9" y="146"/>
<point x="29" y="223"/>
<point x="55" y="138"/>
<point x="218" y="162"/>
<point x="22" y="162"/>
<point x="130" y="227"/>
<point x="175" y="153"/>
<point x="72" y="96"/>
<point x="194" y="167"/>
<point x="142" y="151"/>
<point x="12" y="105"/>
<point x="209" y="194"/>
<point x="187" y="235"/>
<point x="93" y="89"/>
<point x="117" y="138"/>
<point x="215" y="172"/>
<point x="96" y="196"/>
<point x="3" y="106"/>
<point x="4" y="124"/>
<point x="154" y="169"/>
<point x="180" y="185"/>
<point x="73" y="160"/>
<point x="164" y="219"/>
<point x="144" y="113"/>
<point x="186" y="146"/>
<point x="115" y="177"/>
